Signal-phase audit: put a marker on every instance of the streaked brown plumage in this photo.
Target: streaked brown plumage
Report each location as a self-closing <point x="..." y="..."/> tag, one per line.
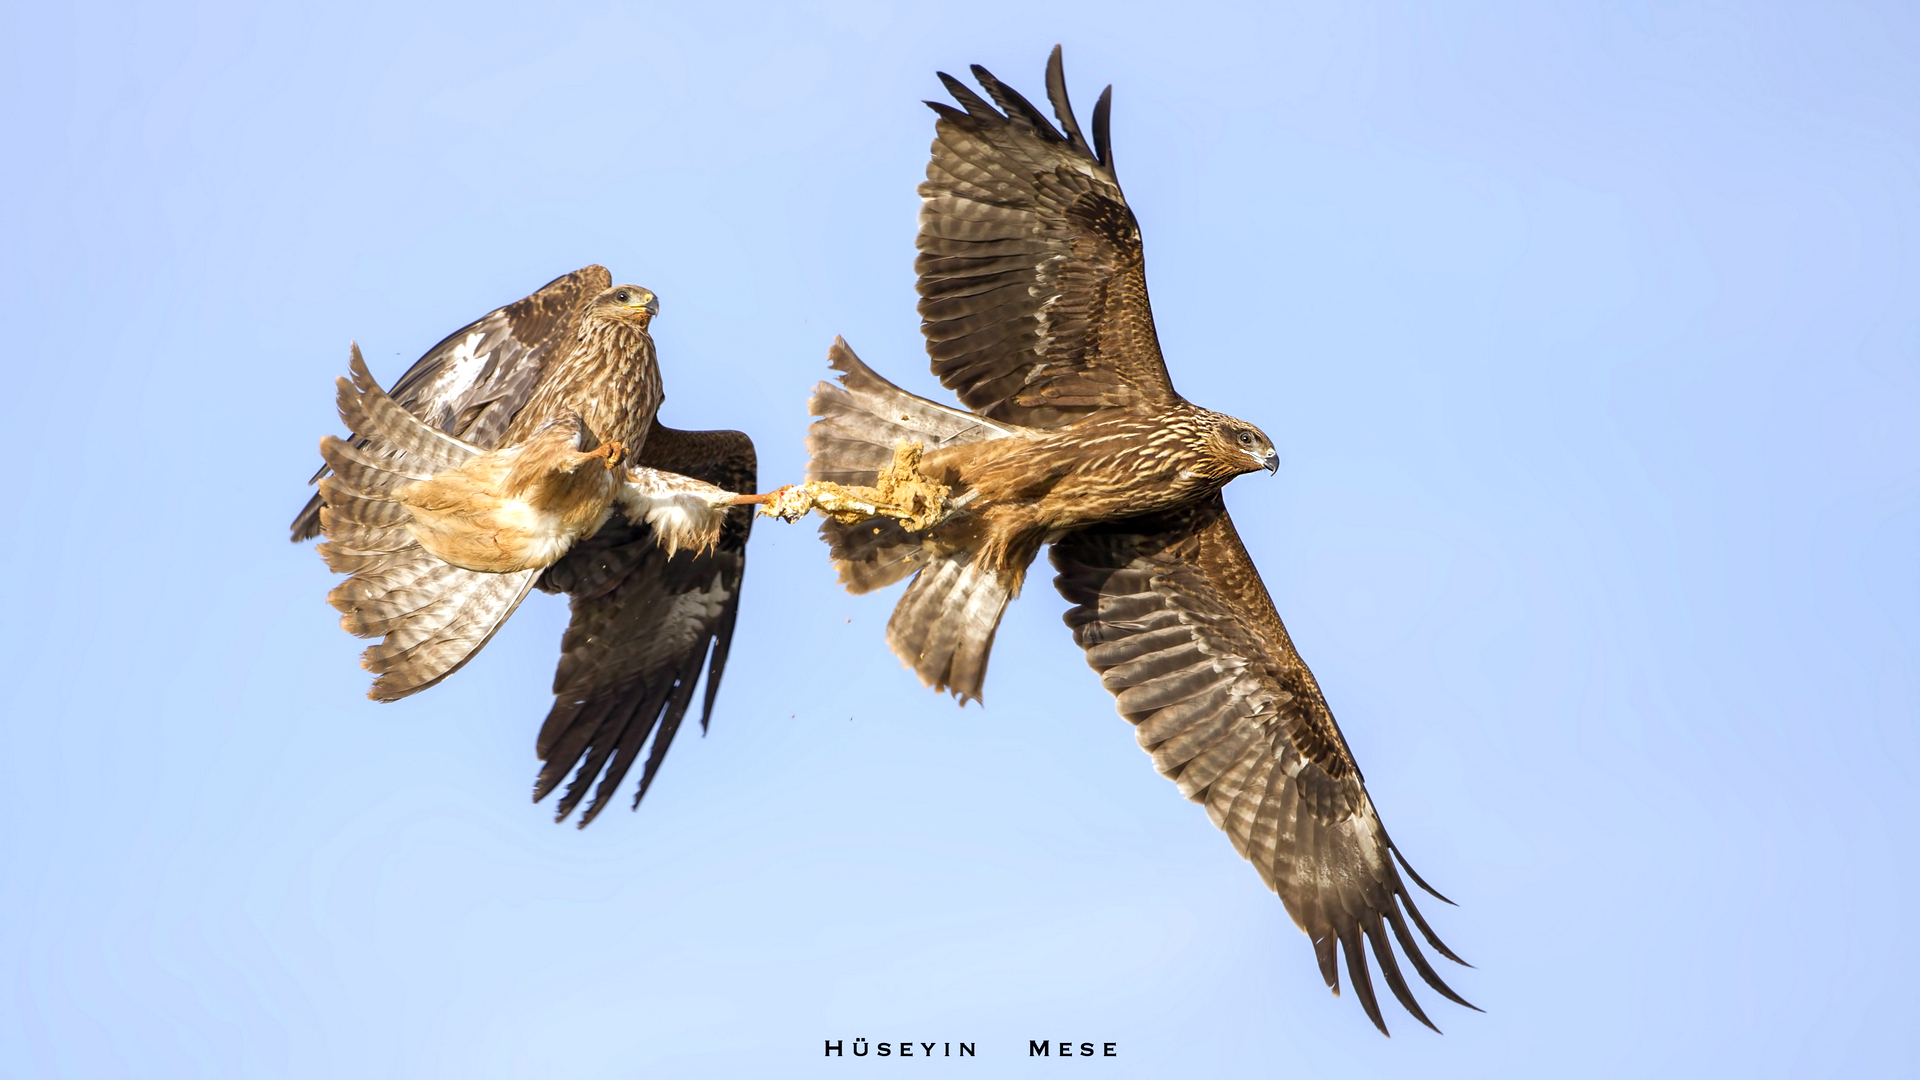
<point x="516" y="508"/>
<point x="1034" y="301"/>
<point x="521" y="507"/>
<point x="507" y="408"/>
<point x="610" y="376"/>
<point x="1037" y="483"/>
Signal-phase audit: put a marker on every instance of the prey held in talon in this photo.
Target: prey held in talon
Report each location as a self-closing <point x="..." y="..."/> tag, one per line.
<point x="610" y="450"/>
<point x="900" y="492"/>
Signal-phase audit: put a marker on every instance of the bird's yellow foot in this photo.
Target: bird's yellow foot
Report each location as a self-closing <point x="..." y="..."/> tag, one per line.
<point x="613" y="450"/>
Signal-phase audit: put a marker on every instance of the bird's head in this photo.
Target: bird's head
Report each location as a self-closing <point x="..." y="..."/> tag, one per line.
<point x="626" y="303"/>
<point x="1235" y="446"/>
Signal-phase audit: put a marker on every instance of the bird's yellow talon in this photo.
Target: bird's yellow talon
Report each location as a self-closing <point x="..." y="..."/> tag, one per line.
<point x="612" y="450"/>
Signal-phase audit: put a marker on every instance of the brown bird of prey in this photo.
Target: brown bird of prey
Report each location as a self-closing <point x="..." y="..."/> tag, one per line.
<point x="1034" y="305"/>
<point x="558" y="386"/>
<point x="402" y="485"/>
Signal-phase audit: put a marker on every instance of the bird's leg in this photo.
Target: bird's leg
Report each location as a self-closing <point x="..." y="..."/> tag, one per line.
<point x="844" y="503"/>
<point x="903" y="493"/>
<point x="613" y="450"/>
<point x="1013" y="535"/>
<point x="788" y="502"/>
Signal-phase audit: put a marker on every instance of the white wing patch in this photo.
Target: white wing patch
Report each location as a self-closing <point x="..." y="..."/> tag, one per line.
<point x="466" y="363"/>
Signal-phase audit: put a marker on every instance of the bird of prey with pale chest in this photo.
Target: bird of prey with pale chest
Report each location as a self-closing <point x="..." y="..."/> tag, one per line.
<point x="1034" y="306"/>
<point x="524" y="452"/>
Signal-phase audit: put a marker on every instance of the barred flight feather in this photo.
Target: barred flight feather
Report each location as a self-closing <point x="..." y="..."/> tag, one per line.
<point x="472" y="383"/>
<point x="1242" y="728"/>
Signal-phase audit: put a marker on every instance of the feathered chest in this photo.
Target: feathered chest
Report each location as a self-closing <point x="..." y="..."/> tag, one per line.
<point x="611" y="379"/>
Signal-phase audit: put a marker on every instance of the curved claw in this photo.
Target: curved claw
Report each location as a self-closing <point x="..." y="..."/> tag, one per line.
<point x="612" y="450"/>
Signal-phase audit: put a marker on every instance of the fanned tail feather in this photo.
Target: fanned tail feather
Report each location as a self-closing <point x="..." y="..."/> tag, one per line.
<point x="863" y="417"/>
<point x="943" y="627"/>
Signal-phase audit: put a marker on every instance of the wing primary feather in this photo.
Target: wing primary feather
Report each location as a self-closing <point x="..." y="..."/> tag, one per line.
<point x="1326" y="950"/>
<point x="659" y="718"/>
<point x="717" y="665"/>
<point x="1390" y="967"/>
<point x="1426" y="931"/>
<point x="617" y="768"/>
<point x="1361" y="978"/>
<point x="1411" y="947"/>
<point x="622" y="761"/>
<point x="605" y="743"/>
<point x="1057" y="94"/>
<point x="1015" y="106"/>
<point x="1415" y="874"/>
<point x="1102" y="134"/>
<point x="663" y="740"/>
<point x="625" y="723"/>
<point x="628" y="750"/>
<point x="975" y="105"/>
<point x="946" y="111"/>
<point x="570" y="738"/>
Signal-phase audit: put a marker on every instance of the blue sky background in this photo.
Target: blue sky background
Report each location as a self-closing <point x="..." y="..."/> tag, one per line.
<point x="1588" y="335"/>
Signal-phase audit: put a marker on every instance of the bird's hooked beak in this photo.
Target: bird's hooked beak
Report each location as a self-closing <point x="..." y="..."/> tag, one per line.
<point x="642" y="307"/>
<point x="1269" y="461"/>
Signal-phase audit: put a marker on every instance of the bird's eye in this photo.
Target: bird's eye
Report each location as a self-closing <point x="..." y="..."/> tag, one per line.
<point x="623" y="296"/>
<point x="1246" y="438"/>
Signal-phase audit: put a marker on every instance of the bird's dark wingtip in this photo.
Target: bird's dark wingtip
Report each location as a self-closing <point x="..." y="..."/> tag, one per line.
<point x="1102" y="128"/>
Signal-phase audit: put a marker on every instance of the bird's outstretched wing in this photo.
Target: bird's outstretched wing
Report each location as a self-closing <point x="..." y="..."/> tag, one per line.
<point x="432" y="618"/>
<point x="644" y="626"/>
<point x="1175" y="619"/>
<point x="472" y="383"/>
<point x="1033" y="284"/>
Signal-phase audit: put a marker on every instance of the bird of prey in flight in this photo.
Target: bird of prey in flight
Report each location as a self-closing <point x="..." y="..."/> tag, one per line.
<point x="551" y="391"/>
<point x="1033" y="297"/>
